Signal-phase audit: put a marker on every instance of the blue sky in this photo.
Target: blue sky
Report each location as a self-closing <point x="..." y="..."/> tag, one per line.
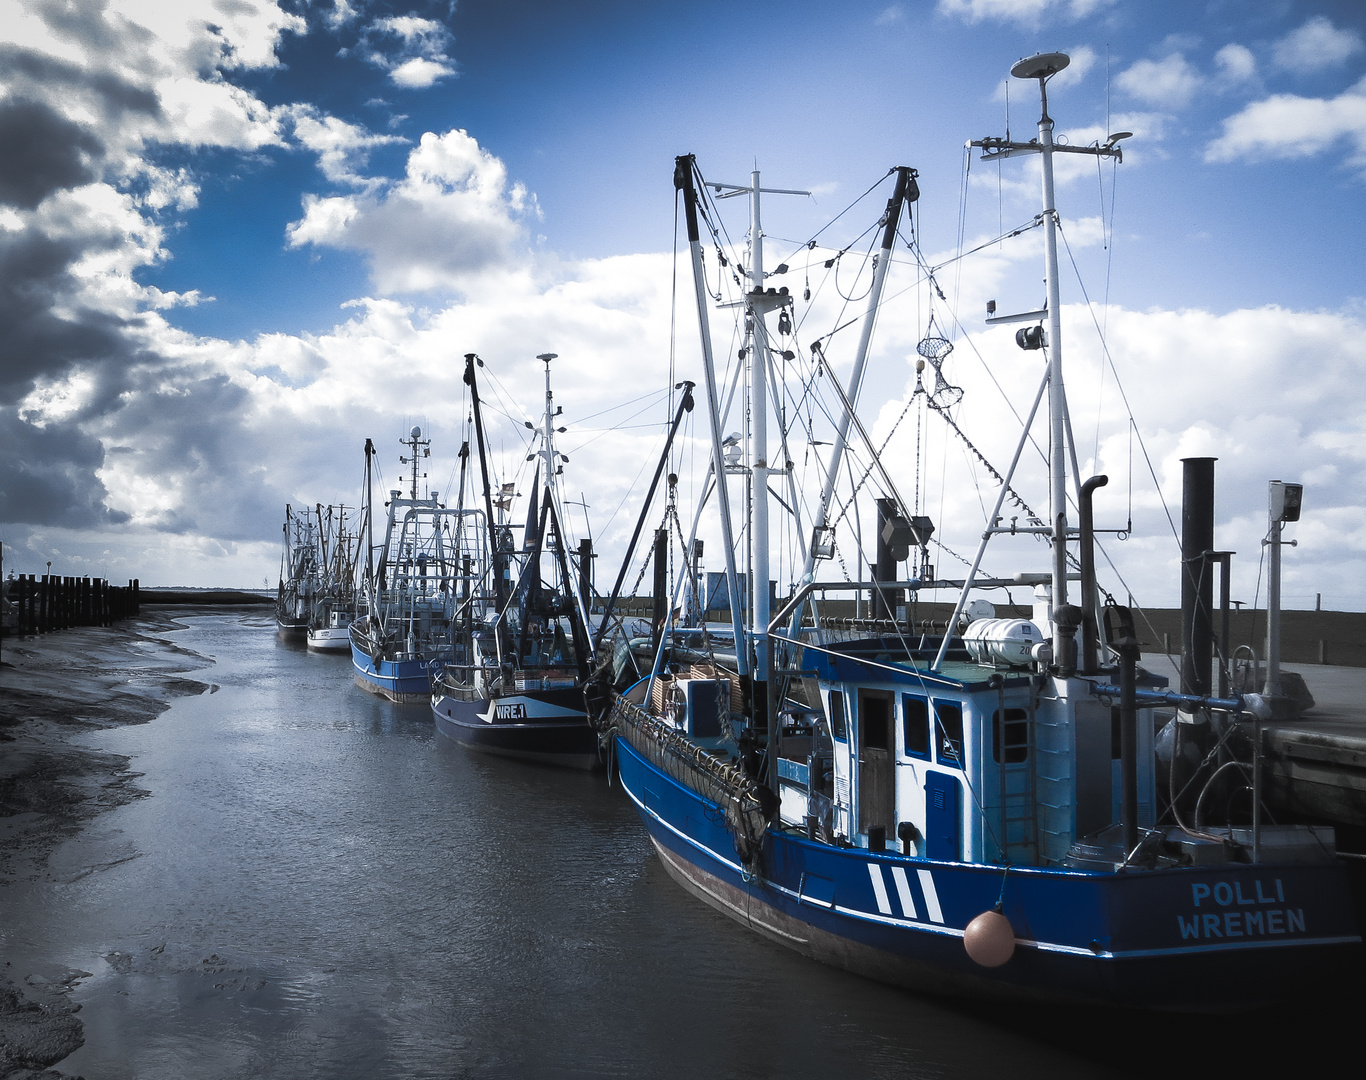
<point x="253" y="234"/>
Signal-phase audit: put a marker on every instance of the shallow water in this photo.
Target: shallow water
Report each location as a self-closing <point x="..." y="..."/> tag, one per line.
<point x="318" y="885"/>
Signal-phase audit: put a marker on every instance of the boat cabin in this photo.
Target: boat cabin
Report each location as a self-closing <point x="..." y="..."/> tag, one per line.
<point x="978" y="761"/>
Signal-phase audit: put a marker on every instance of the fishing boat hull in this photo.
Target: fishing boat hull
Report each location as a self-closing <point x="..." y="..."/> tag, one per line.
<point x="546" y="726"/>
<point x="330" y="639"/>
<point x="406" y="679"/>
<point x="1232" y="938"/>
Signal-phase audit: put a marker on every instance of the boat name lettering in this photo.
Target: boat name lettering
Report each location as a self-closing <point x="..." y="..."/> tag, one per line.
<point x="510" y="712"/>
<point x="1234" y="924"/>
<point x="1226" y="893"/>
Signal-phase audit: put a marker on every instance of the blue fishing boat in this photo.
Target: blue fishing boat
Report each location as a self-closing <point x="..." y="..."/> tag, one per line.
<point x="514" y="683"/>
<point x="974" y="806"/>
<point x="413" y="582"/>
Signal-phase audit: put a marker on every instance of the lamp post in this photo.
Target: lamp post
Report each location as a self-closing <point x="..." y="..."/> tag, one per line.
<point x="1284" y="505"/>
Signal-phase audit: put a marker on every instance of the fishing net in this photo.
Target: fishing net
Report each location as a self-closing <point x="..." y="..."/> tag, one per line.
<point x="734" y="792"/>
<point x="936" y="349"/>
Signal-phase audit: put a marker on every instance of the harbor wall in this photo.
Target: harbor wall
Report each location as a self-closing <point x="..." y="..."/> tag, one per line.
<point x="42" y="604"/>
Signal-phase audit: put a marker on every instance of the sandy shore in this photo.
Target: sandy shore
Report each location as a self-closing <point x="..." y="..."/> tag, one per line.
<point x="52" y="689"/>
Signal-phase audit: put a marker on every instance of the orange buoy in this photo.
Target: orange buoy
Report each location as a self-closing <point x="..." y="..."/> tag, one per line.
<point x="989" y="939"/>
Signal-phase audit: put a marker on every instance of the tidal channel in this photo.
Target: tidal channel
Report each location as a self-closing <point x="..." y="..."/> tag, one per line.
<point x="317" y="884"/>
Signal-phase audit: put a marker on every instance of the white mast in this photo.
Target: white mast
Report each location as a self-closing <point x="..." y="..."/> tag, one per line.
<point x="758" y="303"/>
<point x="548" y="453"/>
<point x="1044" y="66"/>
<point x="758" y="407"/>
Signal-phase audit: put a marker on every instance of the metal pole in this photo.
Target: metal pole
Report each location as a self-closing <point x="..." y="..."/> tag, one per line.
<point x="758" y="410"/>
<point x="1057" y="404"/>
<point x="906" y="191"/>
<point x="683" y="180"/>
<point x="1090" y="635"/>
<point x="1273" y="614"/>
<point x="1197" y="587"/>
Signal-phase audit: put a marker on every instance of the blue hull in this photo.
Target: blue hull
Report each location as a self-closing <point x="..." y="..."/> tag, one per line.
<point x="1218" y="939"/>
<point x="397" y="680"/>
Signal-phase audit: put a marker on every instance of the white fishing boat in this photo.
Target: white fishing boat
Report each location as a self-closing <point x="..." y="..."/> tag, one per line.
<point x="973" y="808"/>
<point x="334" y="608"/>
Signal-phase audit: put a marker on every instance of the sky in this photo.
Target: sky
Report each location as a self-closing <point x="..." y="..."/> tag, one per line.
<point x="238" y="238"/>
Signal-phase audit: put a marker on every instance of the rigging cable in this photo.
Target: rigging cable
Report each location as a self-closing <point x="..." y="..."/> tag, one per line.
<point x="1105" y="348"/>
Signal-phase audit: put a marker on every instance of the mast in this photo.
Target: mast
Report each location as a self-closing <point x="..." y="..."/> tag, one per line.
<point x="1043" y="67"/>
<point x="369" y="530"/>
<point x="548" y="452"/>
<point x="495" y="554"/>
<point x="684" y="167"/>
<point x="559" y="521"/>
<point x="420" y="448"/>
<point x="758" y="303"/>
<point x="906" y="191"/>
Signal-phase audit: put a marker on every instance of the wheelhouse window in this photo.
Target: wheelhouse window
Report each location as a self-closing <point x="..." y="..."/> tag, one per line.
<point x="1009" y="736"/>
<point x="915" y="726"/>
<point x="837" y="727"/>
<point x="875" y="717"/>
<point x="948" y="726"/>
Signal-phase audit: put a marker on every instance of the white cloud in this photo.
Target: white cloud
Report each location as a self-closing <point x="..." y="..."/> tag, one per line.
<point x="203" y="113"/>
<point x="1232" y="386"/>
<point x="412" y="50"/>
<point x="342" y="14"/>
<point x="1169" y="83"/>
<point x="1235" y="66"/>
<point x="451" y="217"/>
<point x="342" y="148"/>
<point x="1287" y="126"/>
<point x="1019" y="11"/>
<point x="1315" y="46"/>
<point x="419" y="73"/>
<point x="891" y="15"/>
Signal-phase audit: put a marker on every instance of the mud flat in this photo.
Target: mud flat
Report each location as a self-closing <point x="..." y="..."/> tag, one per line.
<point x="53" y="689"/>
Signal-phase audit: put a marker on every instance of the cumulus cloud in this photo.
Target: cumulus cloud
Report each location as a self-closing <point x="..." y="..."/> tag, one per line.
<point x="1316" y="46"/>
<point x="92" y="94"/>
<point x="1235" y="67"/>
<point x="1169" y="83"/>
<point x="340" y="14"/>
<point x="453" y="215"/>
<point x="411" y="49"/>
<point x="1196" y="383"/>
<point x="45" y="152"/>
<point x="343" y="148"/>
<point x="1287" y="126"/>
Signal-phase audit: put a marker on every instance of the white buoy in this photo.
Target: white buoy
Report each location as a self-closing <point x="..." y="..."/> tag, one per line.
<point x="989" y="939"/>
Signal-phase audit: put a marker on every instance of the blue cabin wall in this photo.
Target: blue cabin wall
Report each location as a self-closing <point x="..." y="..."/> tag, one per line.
<point x="1022" y="806"/>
